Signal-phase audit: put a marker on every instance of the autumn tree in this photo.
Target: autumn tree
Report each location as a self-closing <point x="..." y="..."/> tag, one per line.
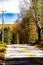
<point x="16" y="37"/>
<point x="28" y="23"/>
<point x="37" y="16"/>
<point x="29" y="26"/>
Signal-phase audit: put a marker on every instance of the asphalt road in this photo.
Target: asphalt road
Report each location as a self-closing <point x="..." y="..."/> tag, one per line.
<point x="23" y="54"/>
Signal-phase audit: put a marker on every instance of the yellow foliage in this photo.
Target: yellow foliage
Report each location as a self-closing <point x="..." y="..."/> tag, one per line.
<point x="2" y="55"/>
<point x="1" y="62"/>
<point x="33" y="36"/>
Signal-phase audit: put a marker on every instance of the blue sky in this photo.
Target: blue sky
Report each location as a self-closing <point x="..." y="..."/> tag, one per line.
<point x="12" y="10"/>
<point x="9" y="18"/>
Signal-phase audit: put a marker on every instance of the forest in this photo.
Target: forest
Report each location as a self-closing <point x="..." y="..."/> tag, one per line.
<point x="29" y="28"/>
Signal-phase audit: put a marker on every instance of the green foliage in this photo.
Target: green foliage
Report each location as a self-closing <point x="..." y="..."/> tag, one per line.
<point x="7" y="35"/>
<point x="37" y="11"/>
<point x="14" y="38"/>
<point x="1" y="43"/>
<point x="2" y="47"/>
<point x="38" y="17"/>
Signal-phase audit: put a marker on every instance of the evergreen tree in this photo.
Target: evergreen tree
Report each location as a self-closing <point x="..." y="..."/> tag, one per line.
<point x="7" y="35"/>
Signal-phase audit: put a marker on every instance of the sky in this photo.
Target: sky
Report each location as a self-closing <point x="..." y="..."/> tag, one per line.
<point x="12" y="10"/>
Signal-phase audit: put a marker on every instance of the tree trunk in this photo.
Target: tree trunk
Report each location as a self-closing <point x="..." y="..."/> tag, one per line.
<point x="41" y="44"/>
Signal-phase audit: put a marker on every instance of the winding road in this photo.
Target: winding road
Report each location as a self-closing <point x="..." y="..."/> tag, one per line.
<point x="23" y="54"/>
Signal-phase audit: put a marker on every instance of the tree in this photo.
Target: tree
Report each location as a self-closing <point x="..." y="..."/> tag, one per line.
<point x="15" y="37"/>
<point x="29" y="27"/>
<point x="0" y="35"/>
<point x="24" y="7"/>
<point x="28" y="24"/>
<point x="37" y="16"/>
<point x="7" y="35"/>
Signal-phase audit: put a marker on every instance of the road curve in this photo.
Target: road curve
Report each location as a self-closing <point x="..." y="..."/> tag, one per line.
<point x="23" y="54"/>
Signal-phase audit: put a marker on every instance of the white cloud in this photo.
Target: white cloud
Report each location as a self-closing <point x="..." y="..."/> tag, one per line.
<point x="11" y="6"/>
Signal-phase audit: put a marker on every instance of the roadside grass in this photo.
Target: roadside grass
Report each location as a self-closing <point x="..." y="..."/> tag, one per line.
<point x="39" y="47"/>
<point x="2" y="52"/>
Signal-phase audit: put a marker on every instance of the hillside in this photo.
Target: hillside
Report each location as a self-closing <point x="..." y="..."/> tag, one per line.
<point x="9" y="25"/>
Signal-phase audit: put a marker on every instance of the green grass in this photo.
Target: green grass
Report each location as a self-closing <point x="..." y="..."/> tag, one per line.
<point x="3" y="44"/>
<point x="2" y="49"/>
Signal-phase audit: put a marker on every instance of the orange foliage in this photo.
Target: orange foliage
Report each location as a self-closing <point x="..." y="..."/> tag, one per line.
<point x="11" y="26"/>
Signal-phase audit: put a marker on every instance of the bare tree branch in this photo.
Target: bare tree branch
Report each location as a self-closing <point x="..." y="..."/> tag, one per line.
<point x="24" y="6"/>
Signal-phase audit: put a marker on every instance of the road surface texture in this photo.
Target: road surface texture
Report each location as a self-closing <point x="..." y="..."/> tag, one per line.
<point x="23" y="54"/>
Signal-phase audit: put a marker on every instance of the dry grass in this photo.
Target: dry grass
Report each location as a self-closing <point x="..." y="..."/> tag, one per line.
<point x="39" y="47"/>
<point x="11" y="26"/>
<point x="2" y="52"/>
<point x="1" y="62"/>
